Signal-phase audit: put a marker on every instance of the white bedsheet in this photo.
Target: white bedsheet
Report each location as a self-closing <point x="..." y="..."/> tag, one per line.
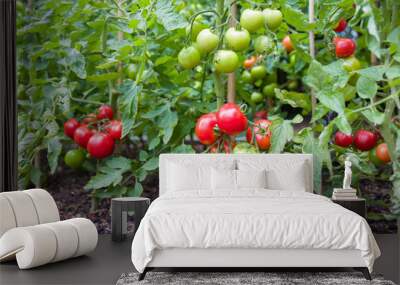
<point x="255" y="218"/>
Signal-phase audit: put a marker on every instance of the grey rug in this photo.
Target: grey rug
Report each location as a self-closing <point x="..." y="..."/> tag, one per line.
<point x="244" y="278"/>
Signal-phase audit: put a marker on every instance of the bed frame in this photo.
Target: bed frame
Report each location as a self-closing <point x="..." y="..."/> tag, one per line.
<point x="249" y="259"/>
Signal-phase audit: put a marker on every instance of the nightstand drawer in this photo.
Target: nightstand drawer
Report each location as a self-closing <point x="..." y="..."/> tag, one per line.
<point x="357" y="205"/>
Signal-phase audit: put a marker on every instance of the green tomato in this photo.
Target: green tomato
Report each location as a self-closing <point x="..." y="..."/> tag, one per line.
<point x="263" y="44"/>
<point x="293" y="85"/>
<point x="238" y="40"/>
<point x="292" y="58"/>
<point x="351" y="64"/>
<point x="74" y="158"/>
<point x="258" y="83"/>
<point x="269" y="90"/>
<point x="246" y="77"/>
<point x="273" y="18"/>
<point x="196" y="29"/>
<point x="252" y="20"/>
<point x="189" y="57"/>
<point x="256" y="97"/>
<point x="226" y="61"/>
<point x="244" y="148"/>
<point x="131" y="70"/>
<point x="349" y="93"/>
<point x="258" y="72"/>
<point x="207" y="41"/>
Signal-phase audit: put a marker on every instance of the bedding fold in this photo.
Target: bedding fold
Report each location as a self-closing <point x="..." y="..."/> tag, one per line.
<point x="251" y="218"/>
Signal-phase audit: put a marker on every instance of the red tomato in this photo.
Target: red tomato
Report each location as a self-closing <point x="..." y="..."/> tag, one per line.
<point x="345" y="47"/>
<point x="70" y="126"/>
<point x="365" y="140"/>
<point x="213" y="149"/>
<point x="100" y="145"/>
<point x="262" y="132"/>
<point x="382" y="153"/>
<point x="287" y="44"/>
<point x="114" y="128"/>
<point x="231" y="120"/>
<point x="343" y="140"/>
<point x="90" y="119"/>
<point x="341" y="26"/>
<point x="263" y="114"/>
<point x="248" y="63"/>
<point x="82" y="135"/>
<point x="105" y="112"/>
<point x="205" y="128"/>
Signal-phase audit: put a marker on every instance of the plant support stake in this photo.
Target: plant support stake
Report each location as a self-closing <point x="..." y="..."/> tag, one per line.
<point x="231" y="76"/>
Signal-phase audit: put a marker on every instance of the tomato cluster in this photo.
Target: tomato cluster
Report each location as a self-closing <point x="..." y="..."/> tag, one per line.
<point x="96" y="133"/>
<point x="364" y="140"/>
<point x="345" y="47"/>
<point x="218" y="129"/>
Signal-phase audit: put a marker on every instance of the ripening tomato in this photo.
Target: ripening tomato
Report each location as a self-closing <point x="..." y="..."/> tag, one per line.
<point x="231" y="120"/>
<point x="114" y="128"/>
<point x="226" y="61"/>
<point x="343" y="139"/>
<point x="238" y="40"/>
<point x="262" y="134"/>
<point x="269" y="90"/>
<point x="207" y="41"/>
<point x="249" y="63"/>
<point x="287" y="44"/>
<point x="264" y="44"/>
<point x="382" y="153"/>
<point x="341" y="26"/>
<point x="273" y="18"/>
<point x="82" y="135"/>
<point x="70" y="126"/>
<point x="365" y="140"/>
<point x="263" y="114"/>
<point x="256" y="97"/>
<point x="345" y="47"/>
<point x="189" y="57"/>
<point x="100" y="145"/>
<point x="373" y="158"/>
<point x="74" y="158"/>
<point x="252" y="20"/>
<point x="204" y="130"/>
<point x="258" y="72"/>
<point x="105" y="112"/>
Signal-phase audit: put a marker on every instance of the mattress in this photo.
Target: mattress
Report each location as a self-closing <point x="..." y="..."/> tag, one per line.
<point x="250" y="219"/>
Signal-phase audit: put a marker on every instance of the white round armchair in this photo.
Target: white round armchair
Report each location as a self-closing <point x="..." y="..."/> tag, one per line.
<point x="31" y="230"/>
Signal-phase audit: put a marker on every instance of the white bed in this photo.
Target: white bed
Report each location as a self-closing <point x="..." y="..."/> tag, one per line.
<point x="197" y="222"/>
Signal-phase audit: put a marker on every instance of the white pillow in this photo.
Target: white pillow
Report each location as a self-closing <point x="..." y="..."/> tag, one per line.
<point x="293" y="180"/>
<point x="193" y="176"/>
<point x="223" y="179"/>
<point x="251" y="178"/>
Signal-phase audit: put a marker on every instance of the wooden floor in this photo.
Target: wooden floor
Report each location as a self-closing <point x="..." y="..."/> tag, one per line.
<point x="110" y="260"/>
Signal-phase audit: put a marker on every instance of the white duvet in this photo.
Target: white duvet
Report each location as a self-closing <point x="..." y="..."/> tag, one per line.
<point x="255" y="218"/>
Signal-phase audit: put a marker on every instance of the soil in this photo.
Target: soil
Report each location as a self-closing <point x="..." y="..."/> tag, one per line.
<point x="66" y="186"/>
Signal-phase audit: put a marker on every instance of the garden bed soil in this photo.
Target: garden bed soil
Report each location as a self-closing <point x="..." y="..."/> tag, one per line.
<point x="72" y="200"/>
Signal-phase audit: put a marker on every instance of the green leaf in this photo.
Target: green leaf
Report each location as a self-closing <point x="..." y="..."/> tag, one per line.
<point x="282" y="133"/>
<point x="167" y="123"/>
<point x="375" y="72"/>
<point x="184" y="148"/>
<point x="110" y="173"/>
<point x="296" y="18"/>
<point x="136" y="191"/>
<point x="342" y="124"/>
<point x="366" y="87"/>
<point x="128" y="104"/>
<point x="338" y="74"/>
<point x="167" y="16"/>
<point x="331" y="99"/>
<point x="151" y="164"/>
<point x="294" y="99"/>
<point x="393" y="72"/>
<point x="54" y="148"/>
<point x="326" y="134"/>
<point x="103" y="77"/>
<point x="374" y="116"/>
<point x="297" y="119"/>
<point x="76" y="62"/>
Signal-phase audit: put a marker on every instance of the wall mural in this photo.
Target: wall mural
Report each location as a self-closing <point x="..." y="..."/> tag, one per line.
<point x="104" y="87"/>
